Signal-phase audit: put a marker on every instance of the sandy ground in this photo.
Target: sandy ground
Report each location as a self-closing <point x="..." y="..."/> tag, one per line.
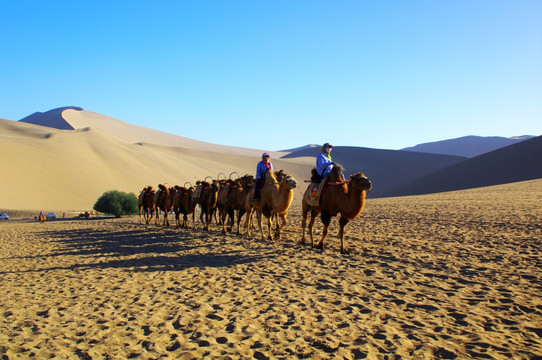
<point x="455" y="275"/>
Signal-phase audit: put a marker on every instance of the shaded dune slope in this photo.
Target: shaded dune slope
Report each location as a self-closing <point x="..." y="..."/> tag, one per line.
<point x="518" y="162"/>
<point x="387" y="169"/>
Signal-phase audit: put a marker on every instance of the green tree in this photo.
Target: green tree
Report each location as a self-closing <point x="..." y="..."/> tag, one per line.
<point x="117" y="203"/>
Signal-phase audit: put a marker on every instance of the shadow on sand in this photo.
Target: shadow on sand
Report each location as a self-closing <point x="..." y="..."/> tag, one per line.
<point x="148" y="249"/>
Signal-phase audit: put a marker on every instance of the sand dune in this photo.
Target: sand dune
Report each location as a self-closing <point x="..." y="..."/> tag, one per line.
<point x="517" y="162"/>
<point x="72" y="156"/>
<point x="468" y="146"/>
<point x="62" y="170"/>
<point x="447" y="276"/>
<point x="74" y="118"/>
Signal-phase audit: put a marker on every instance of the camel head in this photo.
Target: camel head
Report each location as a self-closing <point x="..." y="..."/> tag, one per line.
<point x="247" y="180"/>
<point x="280" y="175"/>
<point x="214" y="187"/>
<point x="360" y="181"/>
<point x="289" y="181"/>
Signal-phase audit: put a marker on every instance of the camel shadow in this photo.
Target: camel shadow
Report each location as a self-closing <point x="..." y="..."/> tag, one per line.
<point x="137" y="250"/>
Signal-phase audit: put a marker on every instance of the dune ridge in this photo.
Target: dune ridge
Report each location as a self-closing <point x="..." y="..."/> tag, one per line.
<point x="53" y="169"/>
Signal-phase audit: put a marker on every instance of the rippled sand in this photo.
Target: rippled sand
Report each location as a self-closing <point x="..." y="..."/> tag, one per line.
<point x="454" y="275"/>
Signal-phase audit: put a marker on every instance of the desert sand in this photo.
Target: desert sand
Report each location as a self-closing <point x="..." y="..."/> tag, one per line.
<point x="446" y="276"/>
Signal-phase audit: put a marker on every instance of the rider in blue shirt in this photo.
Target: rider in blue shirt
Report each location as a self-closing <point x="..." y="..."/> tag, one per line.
<point x="323" y="161"/>
<point x="261" y="169"/>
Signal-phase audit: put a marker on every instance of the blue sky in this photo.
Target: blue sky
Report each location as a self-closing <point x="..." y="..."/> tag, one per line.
<point x="280" y="74"/>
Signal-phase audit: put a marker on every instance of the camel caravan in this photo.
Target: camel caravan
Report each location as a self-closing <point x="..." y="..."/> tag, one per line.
<point x="227" y="201"/>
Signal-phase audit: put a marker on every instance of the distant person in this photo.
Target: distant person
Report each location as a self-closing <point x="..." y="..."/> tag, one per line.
<point x="323" y="161"/>
<point x="261" y="169"/>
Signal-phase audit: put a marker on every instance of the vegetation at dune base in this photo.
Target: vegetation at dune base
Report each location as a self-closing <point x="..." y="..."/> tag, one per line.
<point x="117" y="203"/>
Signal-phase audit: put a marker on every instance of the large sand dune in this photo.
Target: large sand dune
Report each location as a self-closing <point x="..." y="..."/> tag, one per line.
<point x="51" y="169"/>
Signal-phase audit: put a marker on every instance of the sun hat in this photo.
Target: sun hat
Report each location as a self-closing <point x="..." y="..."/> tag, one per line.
<point x="326" y="145"/>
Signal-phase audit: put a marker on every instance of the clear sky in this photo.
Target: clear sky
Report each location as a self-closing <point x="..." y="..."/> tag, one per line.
<point x="280" y="74"/>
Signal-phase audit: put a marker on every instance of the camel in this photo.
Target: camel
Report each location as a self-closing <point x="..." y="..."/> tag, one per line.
<point x="182" y="204"/>
<point x="275" y="198"/>
<point x="156" y="201"/>
<point x="225" y="187"/>
<point x="347" y="198"/>
<point x="238" y="192"/>
<point x="140" y="202"/>
<point x="145" y="204"/>
<point x="207" y="201"/>
<point x="165" y="202"/>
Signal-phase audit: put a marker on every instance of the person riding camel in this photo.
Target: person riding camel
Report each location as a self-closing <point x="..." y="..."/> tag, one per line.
<point x="261" y="169"/>
<point x="323" y="161"/>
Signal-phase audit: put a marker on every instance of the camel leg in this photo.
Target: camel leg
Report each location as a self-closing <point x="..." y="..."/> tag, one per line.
<point x="240" y="214"/>
<point x="207" y="221"/>
<point x="177" y="219"/>
<point x="194" y="217"/>
<point x="259" y="218"/>
<point x="215" y="215"/>
<point x="151" y="214"/>
<point x="140" y="222"/>
<point x="311" y="224"/>
<point x="248" y="219"/>
<point x="222" y="218"/>
<point x="201" y="217"/>
<point x="270" y="226"/>
<point x="283" y="223"/>
<point x="342" y="222"/>
<point x="304" y="213"/>
<point x="231" y="217"/>
<point x="326" y="220"/>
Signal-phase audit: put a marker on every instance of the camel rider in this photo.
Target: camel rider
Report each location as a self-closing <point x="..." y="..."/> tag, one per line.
<point x="323" y="161"/>
<point x="261" y="169"/>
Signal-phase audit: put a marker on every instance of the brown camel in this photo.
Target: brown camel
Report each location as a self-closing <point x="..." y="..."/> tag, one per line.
<point x="347" y="198"/>
<point x="165" y="202"/>
<point x="146" y="204"/>
<point x="140" y="203"/>
<point x="207" y="201"/>
<point x="275" y="198"/>
<point x="182" y="204"/>
<point x="156" y="201"/>
<point x="237" y="193"/>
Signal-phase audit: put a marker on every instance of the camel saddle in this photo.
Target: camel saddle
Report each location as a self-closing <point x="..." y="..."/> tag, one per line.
<point x="314" y="191"/>
<point x="223" y="196"/>
<point x="197" y="191"/>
